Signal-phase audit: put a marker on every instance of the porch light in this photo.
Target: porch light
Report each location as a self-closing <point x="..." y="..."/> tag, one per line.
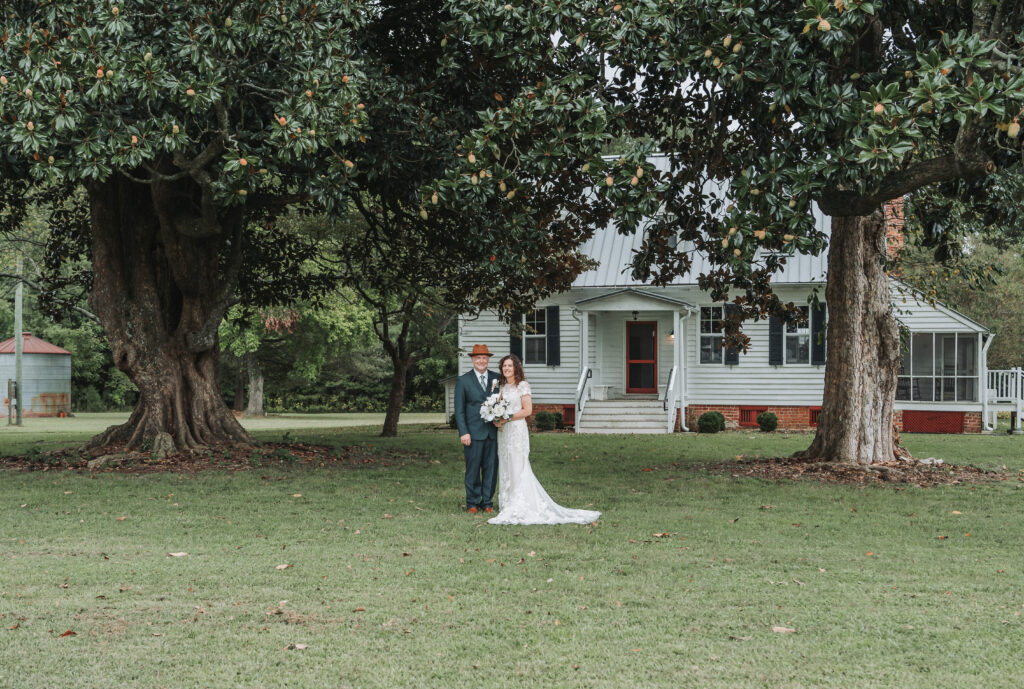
<point x="636" y="314"/>
<point x="671" y="335"/>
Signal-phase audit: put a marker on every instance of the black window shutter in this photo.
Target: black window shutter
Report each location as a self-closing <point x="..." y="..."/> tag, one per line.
<point x="732" y="356"/>
<point x="775" y="345"/>
<point x="515" y="343"/>
<point x="554" y="338"/>
<point x="819" y="313"/>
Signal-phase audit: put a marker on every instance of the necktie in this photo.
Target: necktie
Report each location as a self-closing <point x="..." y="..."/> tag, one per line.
<point x="483" y="381"/>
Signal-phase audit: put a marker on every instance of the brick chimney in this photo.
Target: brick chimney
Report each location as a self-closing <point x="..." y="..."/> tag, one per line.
<point x="893" y="227"/>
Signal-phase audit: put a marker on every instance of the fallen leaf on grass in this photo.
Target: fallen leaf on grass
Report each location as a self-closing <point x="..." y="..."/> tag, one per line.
<point x="783" y="630"/>
<point x="67" y="492"/>
<point x="869" y="553"/>
<point x="120" y="519"/>
<point x="295" y="647"/>
<point x="957" y="512"/>
<point x="67" y="633"/>
<point x="740" y="638"/>
<point x="664" y="534"/>
<point x="15" y="625"/>
<point x="177" y="554"/>
<point x="387" y="516"/>
<point x="359" y="609"/>
<point x="282" y="567"/>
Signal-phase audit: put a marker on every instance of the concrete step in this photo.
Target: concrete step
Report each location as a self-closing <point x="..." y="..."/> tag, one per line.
<point x="612" y="414"/>
<point x="619" y="423"/>
<point x="606" y="431"/>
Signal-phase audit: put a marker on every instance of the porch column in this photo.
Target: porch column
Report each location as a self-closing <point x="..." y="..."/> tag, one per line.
<point x="677" y="336"/>
<point x="584" y="341"/>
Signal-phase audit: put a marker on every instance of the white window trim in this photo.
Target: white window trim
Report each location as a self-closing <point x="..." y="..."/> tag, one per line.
<point x="932" y="377"/>
<point x="701" y="335"/>
<point x="801" y="331"/>
<point x="528" y="334"/>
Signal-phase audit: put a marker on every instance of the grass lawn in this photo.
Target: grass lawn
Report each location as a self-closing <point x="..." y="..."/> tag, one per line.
<point x="389" y="584"/>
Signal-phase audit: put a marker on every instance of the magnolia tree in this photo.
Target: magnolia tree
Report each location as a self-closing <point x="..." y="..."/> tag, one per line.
<point x="187" y="124"/>
<point x="765" y="110"/>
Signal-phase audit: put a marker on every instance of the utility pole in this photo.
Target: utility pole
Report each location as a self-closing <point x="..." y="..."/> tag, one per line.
<point x="18" y="340"/>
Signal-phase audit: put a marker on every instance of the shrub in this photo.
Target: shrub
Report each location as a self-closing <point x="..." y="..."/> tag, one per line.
<point x="711" y="422"/>
<point x="767" y="421"/>
<point x="544" y="420"/>
<point x="451" y="422"/>
<point x="559" y="420"/>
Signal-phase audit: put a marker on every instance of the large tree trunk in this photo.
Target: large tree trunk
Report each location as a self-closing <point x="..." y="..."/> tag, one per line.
<point x="396" y="398"/>
<point x="164" y="268"/>
<point x="855" y="425"/>
<point x="255" y="407"/>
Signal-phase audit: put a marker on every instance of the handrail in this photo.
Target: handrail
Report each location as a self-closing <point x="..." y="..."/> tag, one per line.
<point x="668" y="390"/>
<point x="669" y="394"/>
<point x="581" y="387"/>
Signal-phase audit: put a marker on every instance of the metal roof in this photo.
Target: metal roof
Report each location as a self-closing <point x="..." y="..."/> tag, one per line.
<point x="30" y="344"/>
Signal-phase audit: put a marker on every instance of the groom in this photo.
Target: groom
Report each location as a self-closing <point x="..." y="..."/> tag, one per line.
<point x="479" y="438"/>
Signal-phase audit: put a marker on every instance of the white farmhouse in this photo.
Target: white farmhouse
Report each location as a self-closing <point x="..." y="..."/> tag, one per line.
<point x="614" y="355"/>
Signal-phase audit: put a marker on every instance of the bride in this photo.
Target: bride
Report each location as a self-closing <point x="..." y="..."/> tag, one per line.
<point x="521" y="498"/>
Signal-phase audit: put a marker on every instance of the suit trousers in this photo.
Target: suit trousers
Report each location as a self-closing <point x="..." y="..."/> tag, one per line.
<point x="481" y="472"/>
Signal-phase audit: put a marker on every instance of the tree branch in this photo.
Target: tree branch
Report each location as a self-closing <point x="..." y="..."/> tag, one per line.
<point x="35" y="286"/>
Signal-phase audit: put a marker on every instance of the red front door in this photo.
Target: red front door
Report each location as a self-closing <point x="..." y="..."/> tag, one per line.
<point x="641" y="357"/>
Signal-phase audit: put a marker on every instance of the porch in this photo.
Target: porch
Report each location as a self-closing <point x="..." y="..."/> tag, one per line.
<point x="632" y="371"/>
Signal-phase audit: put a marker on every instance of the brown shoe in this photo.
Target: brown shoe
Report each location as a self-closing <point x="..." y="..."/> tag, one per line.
<point x="488" y="509"/>
<point x="472" y="510"/>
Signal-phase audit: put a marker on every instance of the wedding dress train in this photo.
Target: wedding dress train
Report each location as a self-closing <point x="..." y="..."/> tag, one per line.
<point x="521" y="498"/>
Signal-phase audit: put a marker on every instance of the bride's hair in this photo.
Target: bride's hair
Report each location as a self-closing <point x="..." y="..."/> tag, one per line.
<point x="517" y="369"/>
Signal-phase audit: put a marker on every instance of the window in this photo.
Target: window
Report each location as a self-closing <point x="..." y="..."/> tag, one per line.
<point x="798" y="338"/>
<point x="711" y="334"/>
<point x="939" y="367"/>
<point x="535" y="337"/>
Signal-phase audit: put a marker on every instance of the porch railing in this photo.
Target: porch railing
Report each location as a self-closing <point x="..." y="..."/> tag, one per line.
<point x="669" y="403"/>
<point x="581" y="389"/>
<point x="1006" y="386"/>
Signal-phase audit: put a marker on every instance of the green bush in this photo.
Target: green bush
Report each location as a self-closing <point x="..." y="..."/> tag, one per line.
<point x="451" y="422"/>
<point x="544" y="420"/>
<point x="767" y="421"/>
<point x="559" y="420"/>
<point x="711" y="422"/>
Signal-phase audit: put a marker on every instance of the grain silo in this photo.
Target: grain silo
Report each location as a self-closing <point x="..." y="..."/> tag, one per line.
<point x="45" y="375"/>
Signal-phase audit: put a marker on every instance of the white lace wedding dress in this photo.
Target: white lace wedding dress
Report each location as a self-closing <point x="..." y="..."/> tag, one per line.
<point x="521" y="498"/>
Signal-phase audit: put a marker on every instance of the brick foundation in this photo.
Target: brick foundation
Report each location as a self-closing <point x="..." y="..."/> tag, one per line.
<point x="792" y="418"/>
<point x="566" y="410"/>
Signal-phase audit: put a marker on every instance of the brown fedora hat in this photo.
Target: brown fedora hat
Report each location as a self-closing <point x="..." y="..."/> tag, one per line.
<point x="480" y="349"/>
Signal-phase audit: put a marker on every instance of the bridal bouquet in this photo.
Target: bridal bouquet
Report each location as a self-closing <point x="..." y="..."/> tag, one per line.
<point x="495" y="408"/>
